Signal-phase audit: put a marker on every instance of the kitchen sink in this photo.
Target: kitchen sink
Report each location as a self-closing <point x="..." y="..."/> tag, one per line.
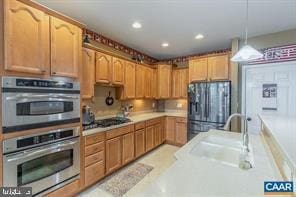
<point x="226" y="150"/>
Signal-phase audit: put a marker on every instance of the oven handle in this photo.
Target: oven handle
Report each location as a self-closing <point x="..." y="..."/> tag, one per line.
<point x="26" y="154"/>
<point x="25" y="96"/>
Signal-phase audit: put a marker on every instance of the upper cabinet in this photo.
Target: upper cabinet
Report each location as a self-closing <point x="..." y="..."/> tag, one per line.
<point x="148" y="82"/>
<point x="218" y="67"/>
<point x="210" y="68"/>
<point x="198" y="69"/>
<point x="65" y="47"/>
<point x="103" y="68"/>
<point x="88" y="73"/>
<point x="179" y="83"/>
<point x="164" y="79"/>
<point x="129" y="88"/>
<point x="140" y="81"/>
<point x="26" y="38"/>
<point x="36" y="44"/>
<point x="117" y="71"/>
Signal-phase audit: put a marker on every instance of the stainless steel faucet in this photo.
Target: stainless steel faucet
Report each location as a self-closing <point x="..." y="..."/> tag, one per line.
<point x="244" y="163"/>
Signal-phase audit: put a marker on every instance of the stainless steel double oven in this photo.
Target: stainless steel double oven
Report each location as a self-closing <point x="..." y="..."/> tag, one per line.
<point x="35" y="103"/>
<point x="48" y="159"/>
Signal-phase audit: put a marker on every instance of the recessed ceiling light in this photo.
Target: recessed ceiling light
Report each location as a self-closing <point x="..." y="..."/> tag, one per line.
<point x="165" y="44"/>
<point x="137" y="25"/>
<point x="199" y="36"/>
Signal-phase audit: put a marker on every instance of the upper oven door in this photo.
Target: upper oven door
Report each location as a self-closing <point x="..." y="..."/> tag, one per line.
<point x="33" y="110"/>
<point x="42" y="167"/>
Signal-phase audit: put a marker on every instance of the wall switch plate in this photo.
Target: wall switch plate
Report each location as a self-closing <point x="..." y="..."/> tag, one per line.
<point x="153" y="105"/>
<point x="179" y="105"/>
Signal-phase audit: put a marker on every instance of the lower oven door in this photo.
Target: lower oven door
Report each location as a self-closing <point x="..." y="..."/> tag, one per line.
<point x="43" y="167"/>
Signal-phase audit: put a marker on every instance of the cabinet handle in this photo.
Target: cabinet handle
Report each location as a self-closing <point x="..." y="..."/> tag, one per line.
<point x="54" y="73"/>
<point x="43" y="71"/>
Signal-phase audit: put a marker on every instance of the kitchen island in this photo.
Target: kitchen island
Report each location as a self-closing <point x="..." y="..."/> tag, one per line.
<point x="200" y="176"/>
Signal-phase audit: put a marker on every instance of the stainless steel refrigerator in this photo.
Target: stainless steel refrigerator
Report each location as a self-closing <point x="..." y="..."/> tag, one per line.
<point x="208" y="106"/>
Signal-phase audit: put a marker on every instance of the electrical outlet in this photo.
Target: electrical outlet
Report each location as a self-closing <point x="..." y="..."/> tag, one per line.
<point x="179" y="105"/>
<point x="153" y="105"/>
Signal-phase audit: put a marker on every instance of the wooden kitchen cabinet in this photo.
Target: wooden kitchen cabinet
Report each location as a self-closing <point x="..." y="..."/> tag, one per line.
<point x="88" y="73"/>
<point x="179" y="83"/>
<point x="140" y="81"/>
<point x="181" y="131"/>
<point x="154" y="83"/>
<point x="65" y="48"/>
<point x="170" y="129"/>
<point x="176" y="130"/>
<point x="103" y="68"/>
<point x="157" y="134"/>
<point x="139" y="142"/>
<point x="198" y="69"/>
<point x="149" y="141"/>
<point x="128" y="151"/>
<point x="26" y="43"/>
<point x="113" y="154"/>
<point x="218" y="67"/>
<point x="130" y="80"/>
<point x="148" y="82"/>
<point x="117" y="71"/>
<point x="164" y="79"/>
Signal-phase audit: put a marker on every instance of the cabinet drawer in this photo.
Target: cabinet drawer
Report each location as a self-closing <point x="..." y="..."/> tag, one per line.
<point x="153" y="121"/>
<point x="120" y="131"/>
<point x="94" y="148"/>
<point x="94" y="172"/>
<point x="92" y="139"/>
<point x="140" y="125"/>
<point x="94" y="158"/>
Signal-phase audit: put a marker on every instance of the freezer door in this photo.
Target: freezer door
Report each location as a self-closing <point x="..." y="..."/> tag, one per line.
<point x="218" y="108"/>
<point x="197" y="102"/>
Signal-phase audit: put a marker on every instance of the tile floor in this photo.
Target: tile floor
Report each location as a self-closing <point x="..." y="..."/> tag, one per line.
<point x="160" y="158"/>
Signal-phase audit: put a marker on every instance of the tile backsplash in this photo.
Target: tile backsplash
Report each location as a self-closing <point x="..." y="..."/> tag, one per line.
<point x="99" y="107"/>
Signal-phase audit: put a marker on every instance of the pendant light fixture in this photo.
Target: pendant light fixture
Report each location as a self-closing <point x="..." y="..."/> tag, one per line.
<point x="246" y="53"/>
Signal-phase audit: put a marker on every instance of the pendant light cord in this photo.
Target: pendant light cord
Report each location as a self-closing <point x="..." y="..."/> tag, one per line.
<point x="247" y="21"/>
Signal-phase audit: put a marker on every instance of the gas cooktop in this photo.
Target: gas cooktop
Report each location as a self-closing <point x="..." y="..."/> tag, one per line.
<point x="106" y="123"/>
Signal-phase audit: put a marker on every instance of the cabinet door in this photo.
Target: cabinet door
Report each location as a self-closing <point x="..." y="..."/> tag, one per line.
<point x="218" y="67"/>
<point x="103" y="68"/>
<point x="157" y="134"/>
<point x="140" y="81"/>
<point x="130" y="80"/>
<point x="113" y="154"/>
<point x="117" y="71"/>
<point x="184" y="83"/>
<point x="149" y="133"/>
<point x="181" y="131"/>
<point x="148" y="82"/>
<point x="128" y="148"/>
<point x="154" y="83"/>
<point x="164" y="76"/>
<point x="170" y="129"/>
<point x="176" y="83"/>
<point x="94" y="172"/>
<point x="26" y="40"/>
<point x="198" y="69"/>
<point x="88" y="73"/>
<point x="139" y="142"/>
<point x="65" y="48"/>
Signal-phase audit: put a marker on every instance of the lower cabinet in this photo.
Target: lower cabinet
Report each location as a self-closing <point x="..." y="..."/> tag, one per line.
<point x="66" y="191"/>
<point x="128" y="152"/>
<point x="139" y="142"/>
<point x="157" y="134"/>
<point x="149" y="138"/>
<point x="94" y="158"/>
<point x="113" y="154"/>
<point x="176" y="130"/>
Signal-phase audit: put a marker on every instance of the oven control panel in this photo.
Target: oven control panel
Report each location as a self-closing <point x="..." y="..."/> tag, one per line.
<point x="43" y="83"/>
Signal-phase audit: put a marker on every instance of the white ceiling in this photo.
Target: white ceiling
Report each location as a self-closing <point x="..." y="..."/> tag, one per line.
<point x="178" y="21"/>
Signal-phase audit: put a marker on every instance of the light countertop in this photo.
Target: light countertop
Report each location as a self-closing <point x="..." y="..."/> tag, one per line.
<point x="283" y="130"/>
<point x="136" y="118"/>
<point x="197" y="176"/>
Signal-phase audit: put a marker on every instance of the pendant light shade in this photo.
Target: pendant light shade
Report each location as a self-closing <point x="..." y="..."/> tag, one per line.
<point x="246" y="53"/>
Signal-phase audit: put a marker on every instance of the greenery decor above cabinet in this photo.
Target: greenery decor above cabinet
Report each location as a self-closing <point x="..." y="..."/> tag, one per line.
<point x="209" y="68"/>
